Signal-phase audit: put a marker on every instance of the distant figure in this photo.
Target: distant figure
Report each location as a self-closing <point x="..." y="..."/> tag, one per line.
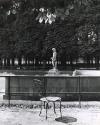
<point x="54" y="60"/>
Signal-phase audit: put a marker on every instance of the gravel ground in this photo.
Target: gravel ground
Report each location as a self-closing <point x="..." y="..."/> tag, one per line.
<point x="28" y="114"/>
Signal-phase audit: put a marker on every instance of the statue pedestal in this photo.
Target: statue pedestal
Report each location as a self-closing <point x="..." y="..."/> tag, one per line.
<point x="53" y="71"/>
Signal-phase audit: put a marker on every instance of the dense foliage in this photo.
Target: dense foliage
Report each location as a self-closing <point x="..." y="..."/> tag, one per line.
<point x="30" y="28"/>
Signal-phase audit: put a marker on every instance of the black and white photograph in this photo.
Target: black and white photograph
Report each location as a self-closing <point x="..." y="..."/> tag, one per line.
<point x="49" y="62"/>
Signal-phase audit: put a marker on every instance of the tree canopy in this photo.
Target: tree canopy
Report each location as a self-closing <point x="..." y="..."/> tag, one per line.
<point x="31" y="28"/>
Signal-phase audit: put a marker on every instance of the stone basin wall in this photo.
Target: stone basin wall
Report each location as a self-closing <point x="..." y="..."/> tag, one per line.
<point x="23" y="87"/>
<point x="86" y="73"/>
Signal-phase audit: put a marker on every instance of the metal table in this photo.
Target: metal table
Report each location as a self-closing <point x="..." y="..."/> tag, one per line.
<point x="45" y="102"/>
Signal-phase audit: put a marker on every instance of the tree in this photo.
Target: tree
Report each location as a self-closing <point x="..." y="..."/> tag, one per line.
<point x="33" y="27"/>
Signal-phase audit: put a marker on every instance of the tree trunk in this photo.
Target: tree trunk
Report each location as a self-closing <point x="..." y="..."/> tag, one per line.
<point x="97" y="62"/>
<point x="36" y="62"/>
<point x="4" y="61"/>
<point x="13" y="61"/>
<point x="0" y="61"/>
<point x="25" y="61"/>
<point x="63" y="61"/>
<point x="44" y="64"/>
<point x="8" y="61"/>
<point x="19" y="61"/>
<point x="71" y="63"/>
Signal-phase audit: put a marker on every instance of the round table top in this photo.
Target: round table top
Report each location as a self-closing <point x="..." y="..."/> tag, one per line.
<point x="50" y="99"/>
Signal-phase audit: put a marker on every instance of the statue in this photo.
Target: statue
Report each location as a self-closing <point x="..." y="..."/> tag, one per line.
<point x="54" y="71"/>
<point x="54" y="58"/>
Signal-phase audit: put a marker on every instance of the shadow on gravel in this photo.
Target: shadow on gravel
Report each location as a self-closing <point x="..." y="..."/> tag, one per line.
<point x="66" y="119"/>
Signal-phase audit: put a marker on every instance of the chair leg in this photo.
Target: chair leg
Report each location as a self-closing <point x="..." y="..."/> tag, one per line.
<point x="60" y="110"/>
<point x="54" y="107"/>
<point x="40" y="109"/>
<point x="44" y="105"/>
<point x="46" y="109"/>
